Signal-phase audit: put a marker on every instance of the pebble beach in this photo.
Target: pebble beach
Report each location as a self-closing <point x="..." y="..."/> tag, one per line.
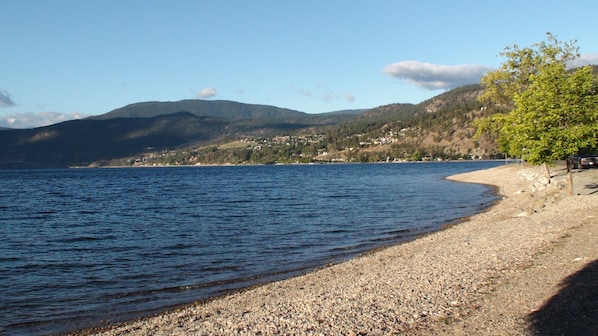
<point x="498" y="272"/>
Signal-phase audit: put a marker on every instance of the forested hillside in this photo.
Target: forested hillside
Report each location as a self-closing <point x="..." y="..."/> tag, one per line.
<point x="439" y="128"/>
<point x="231" y="110"/>
<point x="194" y="132"/>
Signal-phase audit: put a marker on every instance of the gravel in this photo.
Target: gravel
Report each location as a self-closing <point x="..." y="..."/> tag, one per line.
<point x="497" y="272"/>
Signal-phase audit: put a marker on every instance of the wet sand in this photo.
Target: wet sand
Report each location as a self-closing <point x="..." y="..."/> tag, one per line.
<point x="497" y="273"/>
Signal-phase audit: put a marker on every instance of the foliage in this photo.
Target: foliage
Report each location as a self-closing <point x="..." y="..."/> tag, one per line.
<point x="554" y="111"/>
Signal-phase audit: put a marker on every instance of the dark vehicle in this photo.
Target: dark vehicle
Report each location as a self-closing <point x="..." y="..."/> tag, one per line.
<point x="588" y="161"/>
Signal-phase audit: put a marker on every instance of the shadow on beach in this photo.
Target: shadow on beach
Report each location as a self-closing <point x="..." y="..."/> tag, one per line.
<point x="574" y="309"/>
<point x="592" y="187"/>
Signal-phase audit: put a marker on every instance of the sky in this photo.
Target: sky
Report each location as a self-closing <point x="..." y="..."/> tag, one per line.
<point x="65" y="59"/>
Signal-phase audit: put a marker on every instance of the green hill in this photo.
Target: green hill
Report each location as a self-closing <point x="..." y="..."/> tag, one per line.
<point x="438" y="128"/>
<point x="140" y="127"/>
<point x="197" y="131"/>
<point x="80" y="142"/>
<point x="226" y="109"/>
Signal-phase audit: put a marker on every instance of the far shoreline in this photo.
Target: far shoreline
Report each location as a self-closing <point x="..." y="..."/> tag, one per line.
<point x="507" y="162"/>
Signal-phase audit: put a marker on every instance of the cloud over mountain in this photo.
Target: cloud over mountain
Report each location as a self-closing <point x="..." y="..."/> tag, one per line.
<point x="207" y="93"/>
<point x="436" y="77"/>
<point x="31" y="120"/>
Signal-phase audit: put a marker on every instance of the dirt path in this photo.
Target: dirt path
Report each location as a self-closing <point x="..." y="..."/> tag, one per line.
<point x="555" y="293"/>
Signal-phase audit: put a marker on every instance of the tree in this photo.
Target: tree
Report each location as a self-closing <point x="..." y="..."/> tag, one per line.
<point x="554" y="111"/>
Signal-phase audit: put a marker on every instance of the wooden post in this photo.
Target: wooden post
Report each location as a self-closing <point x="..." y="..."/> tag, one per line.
<point x="569" y="177"/>
<point x="546" y="172"/>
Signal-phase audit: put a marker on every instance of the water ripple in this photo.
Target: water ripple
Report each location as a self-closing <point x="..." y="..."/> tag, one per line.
<point x="82" y="246"/>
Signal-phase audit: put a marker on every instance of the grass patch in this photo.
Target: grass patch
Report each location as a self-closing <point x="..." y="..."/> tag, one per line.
<point x="233" y="145"/>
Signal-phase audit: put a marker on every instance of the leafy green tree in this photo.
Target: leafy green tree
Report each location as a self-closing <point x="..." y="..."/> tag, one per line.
<point x="554" y="112"/>
<point x="417" y="155"/>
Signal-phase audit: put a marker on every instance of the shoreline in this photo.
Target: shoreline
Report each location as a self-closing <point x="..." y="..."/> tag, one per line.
<point x="509" y="161"/>
<point x="424" y="285"/>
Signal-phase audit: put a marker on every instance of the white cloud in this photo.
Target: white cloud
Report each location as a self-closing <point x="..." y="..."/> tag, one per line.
<point x="206" y="93"/>
<point x="436" y="77"/>
<point x="349" y="97"/>
<point x="31" y="120"/>
<point x="5" y="100"/>
<point x="586" y="59"/>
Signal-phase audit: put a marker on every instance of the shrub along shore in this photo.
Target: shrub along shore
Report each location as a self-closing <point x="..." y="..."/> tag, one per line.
<point x="498" y="272"/>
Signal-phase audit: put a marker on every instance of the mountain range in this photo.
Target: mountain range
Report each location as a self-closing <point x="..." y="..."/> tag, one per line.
<point x="231" y="110"/>
<point x="161" y="126"/>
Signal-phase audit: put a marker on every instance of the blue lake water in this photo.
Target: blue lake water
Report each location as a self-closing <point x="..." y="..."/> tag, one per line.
<point x="80" y="247"/>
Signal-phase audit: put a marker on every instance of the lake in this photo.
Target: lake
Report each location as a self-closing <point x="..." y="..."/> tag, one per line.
<point x="81" y="247"/>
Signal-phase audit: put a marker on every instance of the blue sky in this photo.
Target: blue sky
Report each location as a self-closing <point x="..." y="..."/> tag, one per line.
<point x="63" y="59"/>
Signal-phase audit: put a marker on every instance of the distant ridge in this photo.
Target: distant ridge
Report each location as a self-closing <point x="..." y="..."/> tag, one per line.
<point x="139" y="127"/>
<point x="347" y="112"/>
<point x="233" y="132"/>
<point x="80" y="142"/>
<point x="215" y="108"/>
<point x="449" y="100"/>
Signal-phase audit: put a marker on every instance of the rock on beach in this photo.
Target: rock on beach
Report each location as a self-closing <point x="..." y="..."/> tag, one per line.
<point x="493" y="274"/>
